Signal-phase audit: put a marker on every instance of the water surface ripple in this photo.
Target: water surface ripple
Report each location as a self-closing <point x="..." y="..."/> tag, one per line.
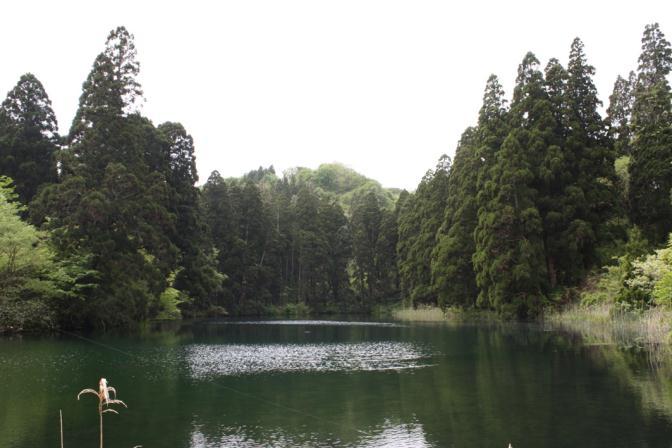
<point x="206" y="361"/>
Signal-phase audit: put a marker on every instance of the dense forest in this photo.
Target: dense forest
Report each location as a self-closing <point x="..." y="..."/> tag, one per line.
<point x="544" y="199"/>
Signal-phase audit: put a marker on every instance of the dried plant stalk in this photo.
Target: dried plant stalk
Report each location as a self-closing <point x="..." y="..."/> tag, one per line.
<point x="104" y="401"/>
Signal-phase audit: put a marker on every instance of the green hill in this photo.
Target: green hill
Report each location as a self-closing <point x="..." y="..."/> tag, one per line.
<point x="334" y="179"/>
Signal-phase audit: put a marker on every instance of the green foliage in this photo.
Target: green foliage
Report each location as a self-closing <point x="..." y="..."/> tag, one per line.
<point x="420" y="217"/>
<point x="621" y="166"/>
<point x="453" y="276"/>
<point x="345" y="184"/>
<point x="288" y="310"/>
<point x="662" y="291"/>
<point x="34" y="286"/>
<point x="28" y="137"/>
<point x="651" y="164"/>
<point x="509" y="259"/>
<point x="169" y="302"/>
<point x="535" y="200"/>
<point x="605" y="286"/>
<point x="619" y="115"/>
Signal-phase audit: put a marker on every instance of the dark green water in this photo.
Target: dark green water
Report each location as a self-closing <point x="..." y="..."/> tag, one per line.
<point x="222" y="384"/>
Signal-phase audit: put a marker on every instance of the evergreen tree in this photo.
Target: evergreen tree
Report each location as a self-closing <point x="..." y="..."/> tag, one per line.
<point x="337" y="246"/>
<point x="420" y="218"/>
<point x="509" y="258"/>
<point x="28" y="137"/>
<point x="111" y="205"/>
<point x="310" y="246"/>
<point x="453" y="273"/>
<point x="220" y="218"/>
<point x="111" y="89"/>
<point x="386" y="255"/>
<point x="651" y="164"/>
<point x="452" y="269"/>
<point x="366" y="225"/>
<point x="591" y="159"/>
<point x="619" y="114"/>
<point x="196" y="276"/>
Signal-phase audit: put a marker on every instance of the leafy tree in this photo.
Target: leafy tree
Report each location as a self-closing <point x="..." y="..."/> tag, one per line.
<point x="35" y="287"/>
<point x="28" y="137"/>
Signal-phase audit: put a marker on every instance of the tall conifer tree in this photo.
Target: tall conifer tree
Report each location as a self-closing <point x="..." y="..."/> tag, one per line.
<point x="509" y="258"/>
<point x="651" y="164"/>
<point x="453" y="275"/>
<point x="619" y="114"/>
<point x="28" y="137"/>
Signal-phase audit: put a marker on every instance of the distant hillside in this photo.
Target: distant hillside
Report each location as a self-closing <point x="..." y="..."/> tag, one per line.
<point x="334" y="179"/>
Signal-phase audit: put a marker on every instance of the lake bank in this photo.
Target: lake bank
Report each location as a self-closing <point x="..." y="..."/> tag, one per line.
<point x="598" y="322"/>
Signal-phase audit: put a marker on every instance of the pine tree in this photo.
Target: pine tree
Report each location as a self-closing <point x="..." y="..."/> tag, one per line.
<point x="221" y="220"/>
<point x="110" y="93"/>
<point x="366" y="225"/>
<point x="386" y="255"/>
<point x="112" y="203"/>
<point x="196" y="276"/>
<point x="452" y="264"/>
<point x="453" y="275"/>
<point x="28" y="137"/>
<point x="651" y="164"/>
<point x="509" y="258"/>
<point x="111" y="89"/>
<point x="337" y="246"/>
<point x="420" y="217"/>
<point x="619" y="114"/>
<point x="310" y="246"/>
<point x="593" y="224"/>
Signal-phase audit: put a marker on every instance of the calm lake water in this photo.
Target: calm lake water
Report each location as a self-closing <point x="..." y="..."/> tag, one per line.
<point x="334" y="383"/>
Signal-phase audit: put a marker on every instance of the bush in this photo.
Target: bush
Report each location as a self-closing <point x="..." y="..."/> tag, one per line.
<point x="293" y="310"/>
<point x="662" y="291"/>
<point x="26" y="315"/>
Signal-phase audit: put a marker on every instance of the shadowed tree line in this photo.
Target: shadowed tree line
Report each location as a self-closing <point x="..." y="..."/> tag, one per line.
<point x="105" y="226"/>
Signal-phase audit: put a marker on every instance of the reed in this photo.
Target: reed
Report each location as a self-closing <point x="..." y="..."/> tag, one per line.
<point x="453" y="314"/>
<point x="605" y="324"/>
<point x="104" y="401"/>
<point x="420" y="314"/>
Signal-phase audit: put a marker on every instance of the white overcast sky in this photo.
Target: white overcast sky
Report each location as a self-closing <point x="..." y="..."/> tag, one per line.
<point x="383" y="86"/>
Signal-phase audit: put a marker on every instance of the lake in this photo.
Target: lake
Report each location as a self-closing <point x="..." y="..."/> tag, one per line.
<point x="336" y="383"/>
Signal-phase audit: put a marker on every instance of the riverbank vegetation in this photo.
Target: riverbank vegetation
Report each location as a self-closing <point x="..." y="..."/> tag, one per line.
<point x="545" y="204"/>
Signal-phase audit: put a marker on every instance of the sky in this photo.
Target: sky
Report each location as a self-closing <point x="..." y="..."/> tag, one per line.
<point x="383" y="86"/>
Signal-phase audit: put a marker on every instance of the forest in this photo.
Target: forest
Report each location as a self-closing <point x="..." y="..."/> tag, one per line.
<point x="551" y="198"/>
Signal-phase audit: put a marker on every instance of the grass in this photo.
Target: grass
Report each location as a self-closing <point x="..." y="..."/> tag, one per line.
<point x="420" y="314"/>
<point x="426" y="313"/>
<point x="604" y="323"/>
<point x="600" y="323"/>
